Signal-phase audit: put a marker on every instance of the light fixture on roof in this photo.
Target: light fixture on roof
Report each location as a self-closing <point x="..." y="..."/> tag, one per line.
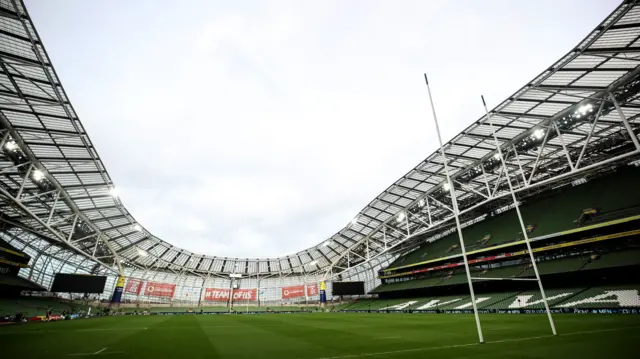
<point x="401" y="216"/>
<point x="579" y="181"/>
<point x="326" y="243"/>
<point x="142" y="252"/>
<point x="539" y="133"/>
<point x="354" y="221"/>
<point x="496" y="156"/>
<point x="11" y="145"/>
<point x="584" y="109"/>
<point x="38" y="175"/>
<point x="421" y="202"/>
<point x="137" y="227"/>
<point x="312" y="263"/>
<point x="113" y="192"/>
<point x="446" y="186"/>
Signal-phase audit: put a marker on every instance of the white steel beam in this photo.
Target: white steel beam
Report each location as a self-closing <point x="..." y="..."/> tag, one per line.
<point x="633" y="136"/>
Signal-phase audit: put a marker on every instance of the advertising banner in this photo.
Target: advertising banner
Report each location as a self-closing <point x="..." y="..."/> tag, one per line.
<point x="155" y="289"/>
<point x="117" y="293"/>
<point x="133" y="286"/>
<point x="293" y="291"/>
<point x="222" y="295"/>
<point x="312" y="290"/>
<point x="323" y="292"/>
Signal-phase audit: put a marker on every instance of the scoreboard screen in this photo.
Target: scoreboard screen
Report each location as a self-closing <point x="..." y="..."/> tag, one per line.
<point x="78" y="283"/>
<point x="348" y="288"/>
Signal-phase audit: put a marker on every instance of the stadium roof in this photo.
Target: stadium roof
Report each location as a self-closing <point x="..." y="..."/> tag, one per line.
<point x="573" y="117"/>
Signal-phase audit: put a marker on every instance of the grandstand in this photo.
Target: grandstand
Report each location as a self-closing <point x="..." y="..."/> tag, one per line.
<point x="569" y="139"/>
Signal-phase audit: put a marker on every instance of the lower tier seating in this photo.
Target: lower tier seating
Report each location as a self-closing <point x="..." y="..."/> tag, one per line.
<point x="35" y="306"/>
<point x="596" y="297"/>
<point x="604" y="297"/>
<point x="237" y="308"/>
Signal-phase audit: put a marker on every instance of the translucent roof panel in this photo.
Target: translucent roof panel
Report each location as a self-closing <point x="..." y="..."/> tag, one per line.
<point x="71" y="203"/>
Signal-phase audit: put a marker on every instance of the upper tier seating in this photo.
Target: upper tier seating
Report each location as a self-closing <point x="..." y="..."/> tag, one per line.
<point x="561" y="265"/>
<point x="552" y="214"/>
<point x="525" y="270"/>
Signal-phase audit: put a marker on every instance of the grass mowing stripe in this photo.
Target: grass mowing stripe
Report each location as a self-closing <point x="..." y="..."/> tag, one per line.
<point x="326" y="335"/>
<point x="132" y="329"/>
<point x="470" y="344"/>
<point x="399" y="351"/>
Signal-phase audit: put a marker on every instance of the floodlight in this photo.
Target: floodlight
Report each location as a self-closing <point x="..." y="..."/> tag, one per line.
<point x="142" y="252"/>
<point x="584" y="109"/>
<point x="326" y="243"/>
<point x="446" y="186"/>
<point x="401" y="216"/>
<point x="496" y="156"/>
<point x="137" y="227"/>
<point x="539" y="133"/>
<point x="38" y="175"/>
<point x="312" y="263"/>
<point x="11" y="145"/>
<point x="354" y="221"/>
<point x="113" y="191"/>
<point x="421" y="202"/>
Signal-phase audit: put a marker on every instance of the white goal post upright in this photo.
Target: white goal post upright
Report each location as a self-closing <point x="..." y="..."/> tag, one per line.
<point x="456" y="213"/>
<point x="522" y="226"/>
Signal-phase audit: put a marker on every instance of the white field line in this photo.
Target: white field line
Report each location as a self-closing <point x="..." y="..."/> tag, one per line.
<point x="99" y="352"/>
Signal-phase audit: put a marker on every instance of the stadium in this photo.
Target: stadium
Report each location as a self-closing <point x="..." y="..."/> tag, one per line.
<point x="516" y="238"/>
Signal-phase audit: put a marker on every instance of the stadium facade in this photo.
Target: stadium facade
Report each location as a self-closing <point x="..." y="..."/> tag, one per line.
<point x="574" y="124"/>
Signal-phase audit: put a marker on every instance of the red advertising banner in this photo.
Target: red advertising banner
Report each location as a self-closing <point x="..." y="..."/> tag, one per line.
<point x="222" y="295"/>
<point x="154" y="289"/>
<point x="216" y="295"/>
<point x="312" y="290"/>
<point x="133" y="286"/>
<point x="294" y="291"/>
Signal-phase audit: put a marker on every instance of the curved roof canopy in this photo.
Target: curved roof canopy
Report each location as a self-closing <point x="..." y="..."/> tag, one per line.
<point x="54" y="185"/>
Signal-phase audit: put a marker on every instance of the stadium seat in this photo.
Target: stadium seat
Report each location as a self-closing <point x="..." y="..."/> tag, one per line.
<point x="604" y="297"/>
<point x="609" y="194"/>
<point x="599" y="297"/>
<point x="561" y="265"/>
<point x="35" y="305"/>
<point x="619" y="258"/>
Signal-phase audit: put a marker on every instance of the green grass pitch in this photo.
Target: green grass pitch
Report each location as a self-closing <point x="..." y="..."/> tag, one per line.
<point x="316" y="335"/>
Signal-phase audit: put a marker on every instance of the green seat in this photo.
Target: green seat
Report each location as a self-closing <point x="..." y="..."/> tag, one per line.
<point x="553" y="213"/>
<point x="615" y="259"/>
<point x="604" y="297"/>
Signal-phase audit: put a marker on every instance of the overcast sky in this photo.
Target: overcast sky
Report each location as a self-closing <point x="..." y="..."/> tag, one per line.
<point x="260" y="128"/>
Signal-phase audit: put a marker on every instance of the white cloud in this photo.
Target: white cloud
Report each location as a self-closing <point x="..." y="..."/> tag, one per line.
<point x="260" y="130"/>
